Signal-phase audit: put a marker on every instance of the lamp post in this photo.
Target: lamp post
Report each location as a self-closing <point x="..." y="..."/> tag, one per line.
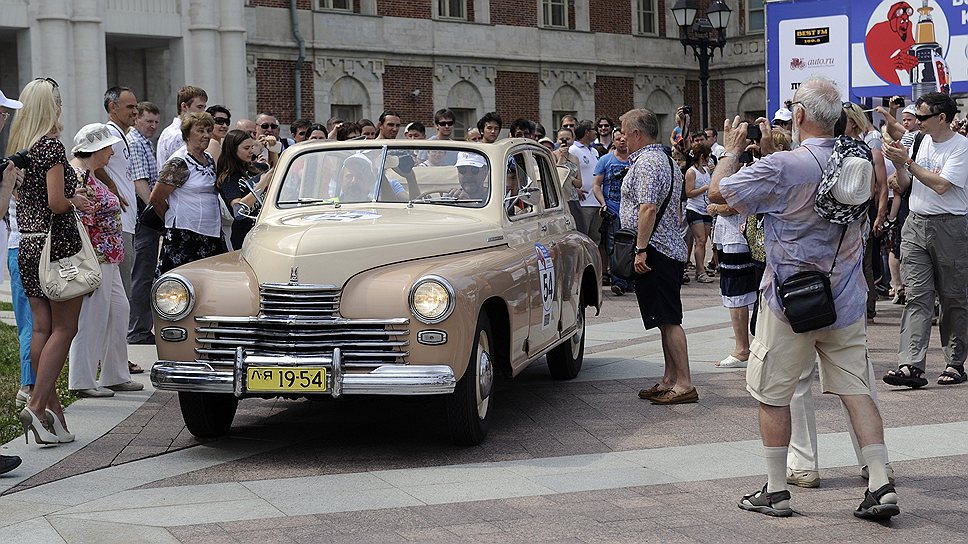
<point x="708" y="34"/>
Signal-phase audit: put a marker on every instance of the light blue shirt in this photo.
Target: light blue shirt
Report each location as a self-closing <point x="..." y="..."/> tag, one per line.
<point x="783" y="186"/>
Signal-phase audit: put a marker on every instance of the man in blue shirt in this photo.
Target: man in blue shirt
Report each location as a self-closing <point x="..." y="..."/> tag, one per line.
<point x="607" y="186"/>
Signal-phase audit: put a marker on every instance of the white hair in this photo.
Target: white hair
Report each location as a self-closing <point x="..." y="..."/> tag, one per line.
<point x="820" y="99"/>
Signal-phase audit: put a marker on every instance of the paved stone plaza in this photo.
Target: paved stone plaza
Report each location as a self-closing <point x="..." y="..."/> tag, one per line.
<point x="579" y="461"/>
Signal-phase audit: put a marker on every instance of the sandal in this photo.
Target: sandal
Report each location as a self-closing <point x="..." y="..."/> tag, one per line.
<point x="873" y="508"/>
<point x="133" y="368"/>
<point x="913" y="378"/>
<point x="954" y="377"/>
<point x="652" y="392"/>
<point x="703" y="278"/>
<point x="765" y="503"/>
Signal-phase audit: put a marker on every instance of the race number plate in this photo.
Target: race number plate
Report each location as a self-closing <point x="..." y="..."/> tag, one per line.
<point x="288" y="379"/>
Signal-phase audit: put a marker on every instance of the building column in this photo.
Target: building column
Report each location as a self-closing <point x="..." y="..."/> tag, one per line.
<point x="50" y="28"/>
<point x="232" y="38"/>
<point x="90" y="73"/>
<point x="202" y="48"/>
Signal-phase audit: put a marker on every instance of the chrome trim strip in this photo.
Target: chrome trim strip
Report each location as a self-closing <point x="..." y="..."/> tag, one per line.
<point x="336" y="374"/>
<point x="299" y="287"/>
<point x="296" y="320"/>
<point x="403" y="380"/>
<point x="297" y="334"/>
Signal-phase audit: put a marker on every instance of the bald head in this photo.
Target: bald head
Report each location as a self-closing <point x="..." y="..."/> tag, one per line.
<point x="247" y="125"/>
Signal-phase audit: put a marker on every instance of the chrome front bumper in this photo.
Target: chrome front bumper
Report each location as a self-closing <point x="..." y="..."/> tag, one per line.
<point x="200" y="377"/>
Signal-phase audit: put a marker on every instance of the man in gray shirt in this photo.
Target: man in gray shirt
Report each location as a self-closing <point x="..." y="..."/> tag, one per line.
<point x="783" y="187"/>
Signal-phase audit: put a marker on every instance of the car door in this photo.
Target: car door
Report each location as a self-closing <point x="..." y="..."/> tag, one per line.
<point x="529" y="233"/>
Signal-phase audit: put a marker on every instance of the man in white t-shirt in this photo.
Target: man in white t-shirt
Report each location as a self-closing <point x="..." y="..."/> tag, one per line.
<point x="933" y="243"/>
<point x="587" y="159"/>
<point x="122" y="107"/>
<point x="190" y="99"/>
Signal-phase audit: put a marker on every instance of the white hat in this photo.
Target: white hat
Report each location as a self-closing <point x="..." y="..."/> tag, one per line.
<point x="9" y="102"/>
<point x="910" y="109"/>
<point x="470" y="159"/>
<point x="783" y="114"/>
<point x="546" y="140"/>
<point x="94" y="137"/>
<point x="845" y="188"/>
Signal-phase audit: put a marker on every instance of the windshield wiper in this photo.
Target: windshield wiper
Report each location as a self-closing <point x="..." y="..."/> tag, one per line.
<point x="310" y="201"/>
<point x="446" y="201"/>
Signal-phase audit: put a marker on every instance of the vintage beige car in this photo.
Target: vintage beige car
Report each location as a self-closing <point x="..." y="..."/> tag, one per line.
<point x="384" y="268"/>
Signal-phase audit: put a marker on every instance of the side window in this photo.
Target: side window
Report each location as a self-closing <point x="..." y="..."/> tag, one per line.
<point x="517" y="174"/>
<point x="546" y="177"/>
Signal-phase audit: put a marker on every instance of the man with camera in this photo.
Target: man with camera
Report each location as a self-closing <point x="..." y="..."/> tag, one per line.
<point x="785" y="188"/>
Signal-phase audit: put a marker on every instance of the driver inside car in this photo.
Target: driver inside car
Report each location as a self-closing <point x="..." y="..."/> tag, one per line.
<point x="356" y="181"/>
<point x="472" y="173"/>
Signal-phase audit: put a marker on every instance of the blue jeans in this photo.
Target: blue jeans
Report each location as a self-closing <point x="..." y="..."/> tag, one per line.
<point x="25" y="319"/>
<point x="614" y="226"/>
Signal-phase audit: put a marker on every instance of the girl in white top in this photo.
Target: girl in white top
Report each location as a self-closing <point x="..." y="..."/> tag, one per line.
<point x="186" y="197"/>
<point x="700" y="222"/>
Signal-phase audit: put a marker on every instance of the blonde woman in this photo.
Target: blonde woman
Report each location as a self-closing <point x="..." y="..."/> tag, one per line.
<point x="46" y="204"/>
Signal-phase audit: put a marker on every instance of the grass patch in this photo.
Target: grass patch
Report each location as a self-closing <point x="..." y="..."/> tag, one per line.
<point x="10" y="382"/>
<point x="6" y="306"/>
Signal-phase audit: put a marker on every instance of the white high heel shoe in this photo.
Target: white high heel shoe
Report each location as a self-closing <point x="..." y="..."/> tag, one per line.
<point x="62" y="435"/>
<point x="31" y="422"/>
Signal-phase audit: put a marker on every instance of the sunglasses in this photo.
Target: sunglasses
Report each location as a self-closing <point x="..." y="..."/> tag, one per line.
<point x="301" y="133"/>
<point x="222" y="120"/>
<point x="50" y="80"/>
<point x="567" y="126"/>
<point x="445" y="123"/>
<point x="604" y="126"/>
<point x="267" y="126"/>
<point x="923" y="118"/>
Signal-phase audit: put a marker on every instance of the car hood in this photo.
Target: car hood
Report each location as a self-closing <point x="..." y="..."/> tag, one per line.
<point x="329" y="246"/>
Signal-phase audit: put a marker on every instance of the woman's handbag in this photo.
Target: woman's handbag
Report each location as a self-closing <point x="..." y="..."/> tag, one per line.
<point x="150" y="219"/>
<point x="623" y="243"/>
<point x="806" y="297"/>
<point x="72" y="276"/>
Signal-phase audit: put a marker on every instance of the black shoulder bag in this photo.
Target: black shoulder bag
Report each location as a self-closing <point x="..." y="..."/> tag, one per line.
<point x="623" y="248"/>
<point x="806" y="297"/>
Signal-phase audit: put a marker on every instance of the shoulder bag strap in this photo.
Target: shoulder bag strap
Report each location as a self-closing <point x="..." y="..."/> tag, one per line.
<point x="840" y="243"/>
<point x="665" y="203"/>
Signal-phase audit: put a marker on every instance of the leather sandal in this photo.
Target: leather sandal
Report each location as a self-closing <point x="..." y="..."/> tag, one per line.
<point x="913" y="378"/>
<point x="873" y="508"/>
<point x="954" y="377"/>
<point x="766" y="503"/>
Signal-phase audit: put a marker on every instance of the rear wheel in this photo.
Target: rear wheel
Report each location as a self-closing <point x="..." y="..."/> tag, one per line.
<point x="468" y="407"/>
<point x="207" y="415"/>
<point x="564" y="361"/>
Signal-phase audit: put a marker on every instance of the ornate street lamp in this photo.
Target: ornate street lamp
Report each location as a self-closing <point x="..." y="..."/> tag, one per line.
<point x="704" y="35"/>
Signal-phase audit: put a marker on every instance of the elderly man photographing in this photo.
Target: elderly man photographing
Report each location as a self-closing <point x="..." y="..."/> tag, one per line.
<point x="784" y="187"/>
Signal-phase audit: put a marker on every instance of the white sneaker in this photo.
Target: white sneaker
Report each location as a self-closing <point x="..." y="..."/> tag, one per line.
<point x="731" y="362"/>
<point x="803" y="478"/>
<point x="127" y="386"/>
<point x="93" y="392"/>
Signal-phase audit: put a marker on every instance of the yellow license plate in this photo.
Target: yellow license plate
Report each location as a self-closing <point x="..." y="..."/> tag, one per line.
<point x="298" y="379"/>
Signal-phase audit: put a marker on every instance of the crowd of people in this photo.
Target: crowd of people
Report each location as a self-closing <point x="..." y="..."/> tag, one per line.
<point x="773" y="198"/>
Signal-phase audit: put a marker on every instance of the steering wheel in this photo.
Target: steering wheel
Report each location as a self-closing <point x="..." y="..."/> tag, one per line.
<point x="441" y="193"/>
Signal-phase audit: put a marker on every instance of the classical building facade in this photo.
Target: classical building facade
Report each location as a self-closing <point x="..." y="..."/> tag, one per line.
<point x="534" y="59"/>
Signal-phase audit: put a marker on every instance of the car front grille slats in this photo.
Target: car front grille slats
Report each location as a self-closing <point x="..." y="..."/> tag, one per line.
<point x="300" y="319"/>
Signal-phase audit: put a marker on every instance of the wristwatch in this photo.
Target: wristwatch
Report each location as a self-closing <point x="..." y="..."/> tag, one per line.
<point x="639" y="250"/>
<point x="908" y="163"/>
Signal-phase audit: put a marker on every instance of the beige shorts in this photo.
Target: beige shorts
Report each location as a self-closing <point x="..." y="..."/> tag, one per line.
<point x="779" y="356"/>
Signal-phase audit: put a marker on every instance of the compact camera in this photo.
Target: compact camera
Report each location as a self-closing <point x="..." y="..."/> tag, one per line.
<point x="19" y="159"/>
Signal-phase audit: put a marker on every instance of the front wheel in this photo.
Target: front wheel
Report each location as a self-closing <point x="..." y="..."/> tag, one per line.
<point x="564" y="361"/>
<point x="468" y="407"/>
<point x="207" y="415"/>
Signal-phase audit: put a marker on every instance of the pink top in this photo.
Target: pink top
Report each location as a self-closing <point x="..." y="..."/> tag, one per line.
<point x="103" y="222"/>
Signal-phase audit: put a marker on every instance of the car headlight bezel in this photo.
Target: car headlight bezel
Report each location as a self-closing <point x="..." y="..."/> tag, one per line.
<point x="449" y="307"/>
<point x="189" y="289"/>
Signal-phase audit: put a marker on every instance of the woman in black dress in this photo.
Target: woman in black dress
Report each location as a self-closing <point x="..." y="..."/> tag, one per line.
<point x="235" y="166"/>
<point x="46" y="204"/>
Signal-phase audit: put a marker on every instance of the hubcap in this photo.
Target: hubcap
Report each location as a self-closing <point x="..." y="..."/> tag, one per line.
<point x="485" y="375"/>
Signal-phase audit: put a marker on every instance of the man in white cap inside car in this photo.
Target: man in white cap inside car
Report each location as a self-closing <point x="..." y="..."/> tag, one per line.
<point x="472" y="173"/>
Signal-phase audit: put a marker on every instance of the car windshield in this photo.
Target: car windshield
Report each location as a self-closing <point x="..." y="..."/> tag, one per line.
<point x="445" y="176"/>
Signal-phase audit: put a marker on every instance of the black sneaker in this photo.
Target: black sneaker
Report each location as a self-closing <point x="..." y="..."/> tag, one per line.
<point x="617" y="291"/>
<point x="8" y="463"/>
<point x="873" y="508"/>
<point x="765" y="503"/>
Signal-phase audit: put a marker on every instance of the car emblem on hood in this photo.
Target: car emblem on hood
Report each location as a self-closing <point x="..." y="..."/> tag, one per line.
<point x="294" y="275"/>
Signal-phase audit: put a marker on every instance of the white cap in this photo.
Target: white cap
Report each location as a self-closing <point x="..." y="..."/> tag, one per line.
<point x="783" y="114"/>
<point x="854" y="187"/>
<point x="94" y="137"/>
<point x="470" y="159"/>
<point x="9" y="102"/>
<point x="910" y="109"/>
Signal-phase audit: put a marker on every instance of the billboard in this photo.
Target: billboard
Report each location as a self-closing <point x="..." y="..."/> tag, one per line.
<point x="871" y="48"/>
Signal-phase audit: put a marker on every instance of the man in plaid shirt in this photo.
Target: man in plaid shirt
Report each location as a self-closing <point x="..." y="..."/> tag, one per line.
<point x="144" y="172"/>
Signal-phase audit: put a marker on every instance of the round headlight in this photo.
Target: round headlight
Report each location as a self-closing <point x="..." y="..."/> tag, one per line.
<point x="172" y="297"/>
<point x="432" y="299"/>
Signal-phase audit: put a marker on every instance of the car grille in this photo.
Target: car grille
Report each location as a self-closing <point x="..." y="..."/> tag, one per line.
<point x="299" y="319"/>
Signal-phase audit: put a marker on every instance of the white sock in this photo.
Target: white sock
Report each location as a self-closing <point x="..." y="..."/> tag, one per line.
<point x="876" y="457"/>
<point x="775" y="468"/>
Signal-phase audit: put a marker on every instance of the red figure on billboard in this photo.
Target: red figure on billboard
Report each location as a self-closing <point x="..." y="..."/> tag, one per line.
<point x="887" y="43"/>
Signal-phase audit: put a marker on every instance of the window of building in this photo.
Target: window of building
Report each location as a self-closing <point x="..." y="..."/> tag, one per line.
<point x="645" y="17"/>
<point x="755" y="16"/>
<point x="464" y="120"/>
<point x="339" y="5"/>
<point x="554" y="13"/>
<point x="452" y="9"/>
<point x="349" y="113"/>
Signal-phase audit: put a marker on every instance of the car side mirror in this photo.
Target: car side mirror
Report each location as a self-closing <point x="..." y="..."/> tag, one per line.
<point x="250" y="183"/>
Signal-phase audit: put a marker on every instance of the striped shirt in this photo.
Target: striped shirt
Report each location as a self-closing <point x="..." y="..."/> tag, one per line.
<point x="143" y="163"/>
